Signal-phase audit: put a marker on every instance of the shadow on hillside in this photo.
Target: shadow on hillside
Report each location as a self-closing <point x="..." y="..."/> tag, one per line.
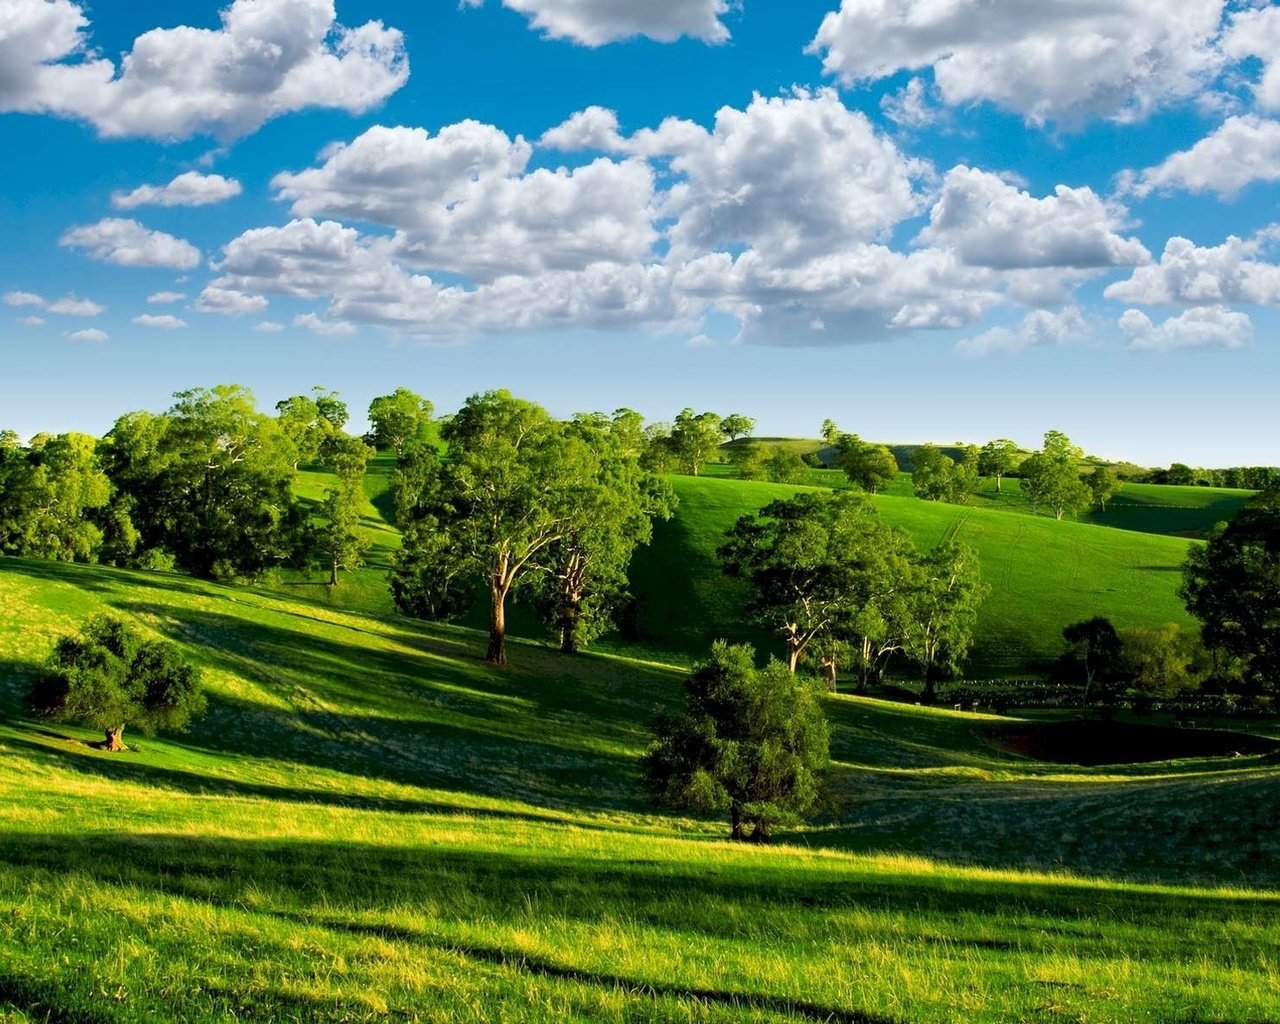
<point x="309" y="877"/>
<point x="417" y="713"/>
<point x="139" y="767"/>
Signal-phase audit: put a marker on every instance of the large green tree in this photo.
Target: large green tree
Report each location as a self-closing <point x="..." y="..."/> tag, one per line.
<point x="752" y="742"/>
<point x="736" y="425"/>
<point x="1051" y="477"/>
<point x="210" y="481"/>
<point x="942" y="612"/>
<point x="695" y="438"/>
<point x="110" y="677"/>
<point x="803" y="557"/>
<point x="1232" y="585"/>
<point x="53" y="497"/>
<point x="1092" y="654"/>
<point x="340" y="541"/>
<point x="491" y="511"/>
<point x="997" y="459"/>
<point x="1104" y="484"/>
<point x="609" y="513"/>
<point x="398" y="418"/>
<point x="931" y="473"/>
<point x="870" y="466"/>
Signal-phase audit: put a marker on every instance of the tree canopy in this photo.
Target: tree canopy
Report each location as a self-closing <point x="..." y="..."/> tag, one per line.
<point x="398" y="418"/>
<point x="752" y="742"/>
<point x="1051" y="477"/>
<point x="110" y="677"/>
<point x="870" y="466"/>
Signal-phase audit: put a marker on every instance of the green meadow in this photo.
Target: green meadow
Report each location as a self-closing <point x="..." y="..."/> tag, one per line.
<point x="371" y="823"/>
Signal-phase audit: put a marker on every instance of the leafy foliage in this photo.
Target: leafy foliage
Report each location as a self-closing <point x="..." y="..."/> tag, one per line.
<point x="110" y="677"/>
<point x="398" y="418"/>
<point x="1051" y="477"/>
<point x="751" y="741"/>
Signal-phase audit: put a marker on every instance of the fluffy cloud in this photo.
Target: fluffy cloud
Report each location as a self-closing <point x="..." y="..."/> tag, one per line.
<point x="991" y="223"/>
<point x="797" y="176"/>
<point x="1256" y="33"/>
<point x="1039" y="327"/>
<point x="325" y="328"/>
<point x="189" y="189"/>
<point x="165" y="298"/>
<point x="165" y="323"/>
<point x="268" y="57"/>
<point x="268" y="327"/>
<point x="1198" y="327"/>
<point x="229" y="301"/>
<point x="464" y="201"/>
<point x="1188" y="274"/>
<point x="91" y="334"/>
<point x="1064" y="61"/>
<point x="128" y="244"/>
<point x="68" y="305"/>
<point x="597" y="22"/>
<point x="1242" y="150"/>
<point x="32" y="321"/>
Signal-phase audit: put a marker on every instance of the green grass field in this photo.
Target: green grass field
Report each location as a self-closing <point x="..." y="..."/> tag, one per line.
<point x="372" y="824"/>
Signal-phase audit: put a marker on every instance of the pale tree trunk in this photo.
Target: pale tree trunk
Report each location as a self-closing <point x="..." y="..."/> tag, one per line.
<point x="735" y="819"/>
<point x="793" y="655"/>
<point x="497" y="652"/>
<point x="831" y="670"/>
<point x="333" y="573"/>
<point x="114" y="742"/>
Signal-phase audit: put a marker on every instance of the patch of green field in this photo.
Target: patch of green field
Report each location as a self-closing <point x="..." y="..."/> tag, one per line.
<point x="1042" y="574"/>
<point x="373" y="824"/>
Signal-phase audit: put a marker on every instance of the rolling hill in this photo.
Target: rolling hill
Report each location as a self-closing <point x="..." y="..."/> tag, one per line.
<point x="372" y="824"/>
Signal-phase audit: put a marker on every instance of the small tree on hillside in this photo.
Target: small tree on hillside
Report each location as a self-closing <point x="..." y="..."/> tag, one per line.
<point x="997" y="459"/>
<point x="1093" y="651"/>
<point x="109" y="677"/>
<point x="398" y="417"/>
<point x="931" y="473"/>
<point x="1104" y="484"/>
<point x="870" y="466"/>
<point x="1051" y="477"/>
<point x="695" y="438"/>
<point x="752" y="742"/>
<point x="735" y="425"/>
<point x="942" y="612"/>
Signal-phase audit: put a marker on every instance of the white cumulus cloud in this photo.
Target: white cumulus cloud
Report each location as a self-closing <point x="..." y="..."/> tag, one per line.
<point x="189" y="189"/>
<point x="229" y="301"/>
<point x="165" y="322"/>
<point x="1050" y="60"/>
<point x="1193" y="275"/>
<point x="91" y="334"/>
<point x="128" y="244"/>
<point x="267" y="58"/>
<point x="1244" y="149"/>
<point x="24" y="299"/>
<point x="165" y="298"/>
<point x="1039" y="327"/>
<point x="1198" y="327"/>
<point x="597" y="22"/>
<point x="325" y="328"/>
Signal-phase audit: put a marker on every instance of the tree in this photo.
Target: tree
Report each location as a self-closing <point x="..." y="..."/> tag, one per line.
<point x="801" y="557"/>
<point x="931" y="473"/>
<point x="339" y="540"/>
<point x="309" y="422"/>
<point x="735" y="425"/>
<point x="870" y="466"/>
<point x="749" y="461"/>
<point x="997" y="459"/>
<point x="398" y="418"/>
<point x="1232" y="585"/>
<point x="610" y="513"/>
<point x="752" y="742"/>
<point x="493" y="510"/>
<point x="52" y="496"/>
<point x="942" y="612"/>
<point x="1051" y="477"/>
<point x="785" y="467"/>
<point x="831" y="432"/>
<point x="1104" y="484"/>
<point x="964" y="475"/>
<point x="110" y="677"/>
<point x="211" y="481"/>
<point x="695" y="438"/>
<point x="1093" y="652"/>
<point x="1161" y="661"/>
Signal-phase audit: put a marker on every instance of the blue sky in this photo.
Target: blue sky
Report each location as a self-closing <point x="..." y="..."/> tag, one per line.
<point x="945" y="220"/>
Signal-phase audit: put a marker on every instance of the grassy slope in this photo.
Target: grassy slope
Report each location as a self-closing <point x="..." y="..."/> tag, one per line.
<point x="371" y="823"/>
<point x="1042" y="574"/>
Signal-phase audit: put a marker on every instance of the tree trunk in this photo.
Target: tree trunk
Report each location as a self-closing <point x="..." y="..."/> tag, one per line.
<point x="999" y="481"/>
<point x="735" y="819"/>
<point x="832" y="671"/>
<point x="497" y="652"/>
<point x="569" y="624"/>
<point x="762" y="833"/>
<point x="793" y="656"/>
<point x="333" y="573"/>
<point x="113" y="741"/>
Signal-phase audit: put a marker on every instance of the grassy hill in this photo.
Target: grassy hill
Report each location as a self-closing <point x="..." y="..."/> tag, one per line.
<point x="372" y="824"/>
<point x="1043" y="574"/>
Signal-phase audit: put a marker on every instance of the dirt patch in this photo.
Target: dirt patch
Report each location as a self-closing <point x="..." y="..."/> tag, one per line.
<point x="1098" y="742"/>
